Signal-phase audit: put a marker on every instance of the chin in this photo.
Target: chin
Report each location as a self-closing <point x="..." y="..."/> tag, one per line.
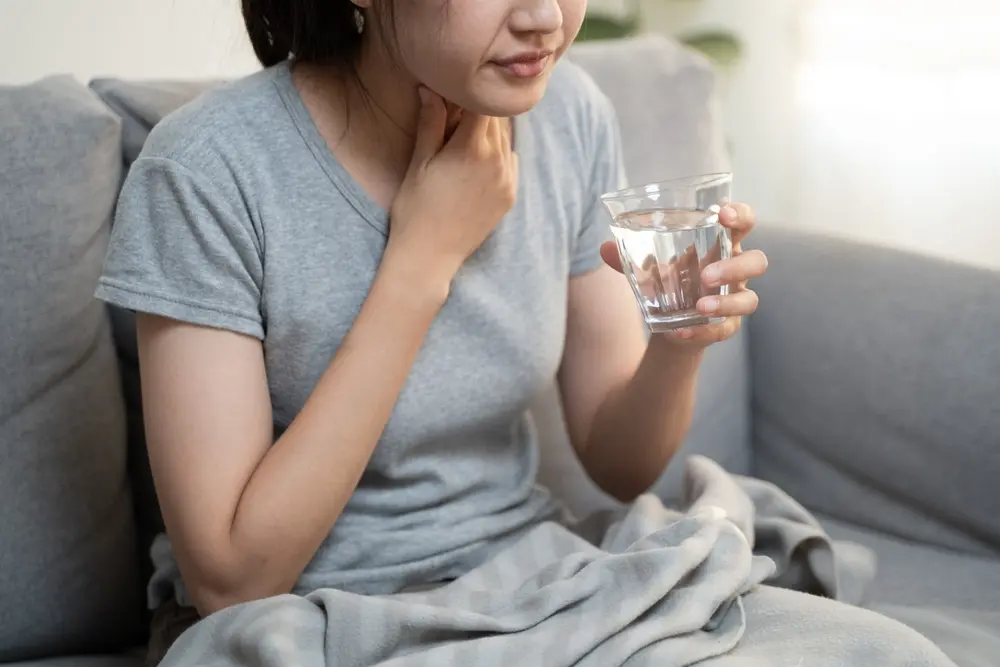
<point x="506" y="101"/>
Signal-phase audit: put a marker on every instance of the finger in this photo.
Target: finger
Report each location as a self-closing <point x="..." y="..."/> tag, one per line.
<point x="739" y="218"/>
<point x="514" y="165"/>
<point x="472" y="129"/>
<point x="750" y="264"/>
<point x="667" y="281"/>
<point x="690" y="277"/>
<point x="454" y="113"/>
<point x="506" y="147"/>
<point x="430" y="127"/>
<point x="708" y="334"/>
<point x="609" y="253"/>
<point x="733" y="305"/>
<point x="713" y="255"/>
<point x="497" y="134"/>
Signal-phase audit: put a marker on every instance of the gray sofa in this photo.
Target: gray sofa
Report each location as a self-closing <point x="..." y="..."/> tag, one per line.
<point x="867" y="386"/>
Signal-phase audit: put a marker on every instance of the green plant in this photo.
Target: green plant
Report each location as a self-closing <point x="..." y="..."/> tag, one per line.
<point x="597" y="27"/>
<point x="721" y="47"/>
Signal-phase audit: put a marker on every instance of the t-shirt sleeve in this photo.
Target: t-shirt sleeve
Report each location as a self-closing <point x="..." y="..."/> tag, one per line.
<point x="181" y="249"/>
<point x="607" y="175"/>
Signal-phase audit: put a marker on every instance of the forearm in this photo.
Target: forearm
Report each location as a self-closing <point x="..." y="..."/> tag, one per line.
<point x="304" y="482"/>
<point x="641" y="425"/>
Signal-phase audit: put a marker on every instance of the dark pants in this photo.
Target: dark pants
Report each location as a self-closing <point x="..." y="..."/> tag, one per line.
<point x="169" y="622"/>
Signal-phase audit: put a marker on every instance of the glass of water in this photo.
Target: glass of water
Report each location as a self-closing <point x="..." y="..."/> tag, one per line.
<point x="667" y="233"/>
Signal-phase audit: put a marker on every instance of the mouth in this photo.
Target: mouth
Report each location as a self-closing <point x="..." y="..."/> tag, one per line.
<point x="524" y="65"/>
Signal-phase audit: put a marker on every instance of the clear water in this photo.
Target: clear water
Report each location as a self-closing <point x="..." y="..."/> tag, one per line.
<point x="663" y="253"/>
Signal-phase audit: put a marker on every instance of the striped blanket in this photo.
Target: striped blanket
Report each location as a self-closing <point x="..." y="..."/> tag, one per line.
<point x="738" y="576"/>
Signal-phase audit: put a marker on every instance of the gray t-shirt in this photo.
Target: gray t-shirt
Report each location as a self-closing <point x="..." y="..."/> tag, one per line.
<point x="237" y="216"/>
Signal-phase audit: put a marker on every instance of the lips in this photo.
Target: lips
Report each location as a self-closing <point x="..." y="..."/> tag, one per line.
<point x="524" y="65"/>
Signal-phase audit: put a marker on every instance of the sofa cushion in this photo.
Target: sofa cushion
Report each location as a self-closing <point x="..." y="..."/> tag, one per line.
<point x="970" y="638"/>
<point x="68" y="579"/>
<point x="951" y="598"/>
<point x="876" y="376"/>
<point x="909" y="574"/>
<point x="664" y="98"/>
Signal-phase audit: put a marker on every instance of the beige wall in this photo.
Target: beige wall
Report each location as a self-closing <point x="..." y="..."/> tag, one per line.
<point x="757" y="96"/>
<point x="126" y="38"/>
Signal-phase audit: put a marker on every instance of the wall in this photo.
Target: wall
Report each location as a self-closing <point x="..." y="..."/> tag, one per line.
<point x="898" y="140"/>
<point x="868" y="118"/>
<point x="757" y="96"/>
<point x="146" y="39"/>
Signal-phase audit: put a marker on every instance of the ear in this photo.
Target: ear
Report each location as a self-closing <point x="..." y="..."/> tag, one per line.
<point x="362" y="4"/>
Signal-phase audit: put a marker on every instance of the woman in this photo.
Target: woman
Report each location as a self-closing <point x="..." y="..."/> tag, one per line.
<point x="352" y="272"/>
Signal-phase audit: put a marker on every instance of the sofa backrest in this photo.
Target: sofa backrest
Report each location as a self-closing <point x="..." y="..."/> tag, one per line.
<point x="68" y="578"/>
<point x="876" y="388"/>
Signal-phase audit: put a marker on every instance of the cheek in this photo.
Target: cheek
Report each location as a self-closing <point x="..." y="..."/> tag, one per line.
<point x="446" y="58"/>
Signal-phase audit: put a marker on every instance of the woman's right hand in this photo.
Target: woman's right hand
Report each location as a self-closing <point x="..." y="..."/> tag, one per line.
<point x="456" y="191"/>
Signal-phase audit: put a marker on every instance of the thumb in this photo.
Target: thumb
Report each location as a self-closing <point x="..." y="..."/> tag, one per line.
<point x="430" y="127"/>
<point x="609" y="253"/>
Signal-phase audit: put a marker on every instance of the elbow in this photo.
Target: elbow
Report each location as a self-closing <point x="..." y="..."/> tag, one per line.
<point x="211" y="594"/>
<point x="208" y="600"/>
<point x="625" y="489"/>
<point x="624" y="478"/>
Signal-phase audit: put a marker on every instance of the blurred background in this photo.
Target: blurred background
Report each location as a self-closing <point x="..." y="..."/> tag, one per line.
<point x="873" y="119"/>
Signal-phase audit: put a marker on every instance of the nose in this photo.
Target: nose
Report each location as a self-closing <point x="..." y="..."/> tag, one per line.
<point x="536" y="16"/>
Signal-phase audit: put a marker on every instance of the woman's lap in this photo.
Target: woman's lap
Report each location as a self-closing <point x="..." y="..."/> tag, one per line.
<point x="783" y="629"/>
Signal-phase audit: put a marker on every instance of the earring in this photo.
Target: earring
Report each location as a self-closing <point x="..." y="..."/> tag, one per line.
<point x="359" y="20"/>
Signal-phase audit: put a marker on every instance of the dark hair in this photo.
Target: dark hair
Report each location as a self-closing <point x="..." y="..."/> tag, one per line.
<point x="306" y="30"/>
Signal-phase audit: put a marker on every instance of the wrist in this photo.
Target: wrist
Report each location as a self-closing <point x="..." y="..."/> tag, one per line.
<point x="426" y="283"/>
<point x="676" y="350"/>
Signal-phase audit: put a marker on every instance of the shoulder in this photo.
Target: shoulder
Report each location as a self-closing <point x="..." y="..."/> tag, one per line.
<point x="214" y="134"/>
<point x="575" y="98"/>
<point x="577" y="111"/>
<point x="201" y="164"/>
<point x="570" y="84"/>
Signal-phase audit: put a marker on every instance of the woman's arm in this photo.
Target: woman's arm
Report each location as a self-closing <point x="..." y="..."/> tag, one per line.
<point x="245" y="517"/>
<point x="628" y="405"/>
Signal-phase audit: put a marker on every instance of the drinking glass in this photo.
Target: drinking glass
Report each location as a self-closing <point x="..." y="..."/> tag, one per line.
<point x="666" y="233"/>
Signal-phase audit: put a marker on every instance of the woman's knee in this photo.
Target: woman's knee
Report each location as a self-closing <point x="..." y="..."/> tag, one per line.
<point x="794" y="627"/>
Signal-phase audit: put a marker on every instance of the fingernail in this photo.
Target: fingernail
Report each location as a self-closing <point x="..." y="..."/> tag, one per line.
<point x="711" y="275"/>
<point x="730" y="213"/>
<point x="711" y="304"/>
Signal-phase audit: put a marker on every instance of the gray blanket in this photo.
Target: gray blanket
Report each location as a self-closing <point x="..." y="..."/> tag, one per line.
<point x="739" y="576"/>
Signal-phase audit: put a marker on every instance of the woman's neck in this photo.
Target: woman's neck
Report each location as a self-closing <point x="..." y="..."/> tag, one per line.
<point x="368" y="118"/>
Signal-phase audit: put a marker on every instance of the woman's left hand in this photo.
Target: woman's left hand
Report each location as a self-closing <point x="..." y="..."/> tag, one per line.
<point x="735" y="272"/>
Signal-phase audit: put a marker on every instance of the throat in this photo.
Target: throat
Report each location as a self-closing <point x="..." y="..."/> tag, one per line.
<point x="372" y="146"/>
<point x="371" y="140"/>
